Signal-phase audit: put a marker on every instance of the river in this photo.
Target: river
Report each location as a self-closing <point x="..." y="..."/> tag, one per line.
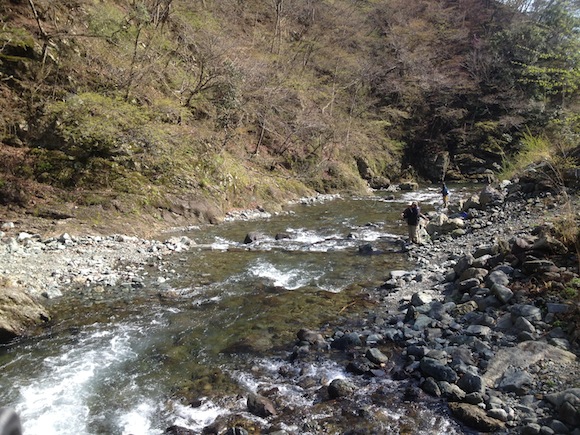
<point x="219" y="321"/>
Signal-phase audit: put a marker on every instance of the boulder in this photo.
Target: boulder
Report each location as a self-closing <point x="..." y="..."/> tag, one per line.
<point x="471" y="204"/>
<point x="503" y="293"/>
<point x="340" y="388"/>
<point x="475" y="417"/>
<point x="430" y="387"/>
<point x="474" y="272"/>
<point x="260" y="405"/>
<point x="451" y="391"/>
<point x="516" y="381"/>
<point x="490" y="196"/>
<point x="254" y="236"/>
<point x="522" y="356"/>
<point x="312" y="338"/>
<point x="497" y="277"/>
<point x="19" y="313"/>
<point x="471" y="383"/>
<point x="463" y="264"/>
<point x="437" y="370"/>
<point x="530" y="312"/>
<point x="178" y="430"/>
<point x="347" y="341"/>
<point x="376" y="356"/>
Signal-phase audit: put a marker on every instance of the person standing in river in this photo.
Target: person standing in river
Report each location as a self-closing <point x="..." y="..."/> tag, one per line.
<point x="445" y="195"/>
<point x="412" y="215"/>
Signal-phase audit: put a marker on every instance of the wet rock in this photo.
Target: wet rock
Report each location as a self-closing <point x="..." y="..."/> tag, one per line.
<point x="312" y="337"/>
<point x="451" y="391"/>
<point x="347" y="341"/>
<point x="409" y="186"/>
<point x="340" y="388"/>
<point x="178" y="430"/>
<point x="254" y="236"/>
<point x="368" y="249"/>
<point x="430" y="387"/>
<point x="260" y="405"/>
<point x="475" y="417"/>
<point x="360" y="366"/>
<point x="19" y="313"/>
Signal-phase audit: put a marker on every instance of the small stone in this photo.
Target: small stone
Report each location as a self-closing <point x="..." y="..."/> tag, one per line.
<point x="478" y="330"/>
<point x="503" y="293"/>
<point x="498" y="413"/>
<point x="376" y="356"/>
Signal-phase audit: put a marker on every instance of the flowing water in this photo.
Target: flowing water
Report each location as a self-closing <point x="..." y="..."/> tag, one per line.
<point x="218" y="322"/>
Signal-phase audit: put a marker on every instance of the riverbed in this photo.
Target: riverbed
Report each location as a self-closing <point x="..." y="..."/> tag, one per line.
<point x="186" y="342"/>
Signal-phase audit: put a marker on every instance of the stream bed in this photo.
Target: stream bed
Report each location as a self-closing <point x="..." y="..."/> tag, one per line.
<point x="219" y="321"/>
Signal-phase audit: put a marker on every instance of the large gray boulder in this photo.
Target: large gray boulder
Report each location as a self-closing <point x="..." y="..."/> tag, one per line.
<point x="490" y="196"/>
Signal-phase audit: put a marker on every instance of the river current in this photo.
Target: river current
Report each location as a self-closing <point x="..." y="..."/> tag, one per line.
<point x="218" y="322"/>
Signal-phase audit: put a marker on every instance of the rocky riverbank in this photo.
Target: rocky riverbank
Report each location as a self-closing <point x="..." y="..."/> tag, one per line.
<point x="487" y="323"/>
<point x="35" y="269"/>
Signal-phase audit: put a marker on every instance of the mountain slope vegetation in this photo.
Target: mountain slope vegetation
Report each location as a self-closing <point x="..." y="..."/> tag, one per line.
<point x="168" y="104"/>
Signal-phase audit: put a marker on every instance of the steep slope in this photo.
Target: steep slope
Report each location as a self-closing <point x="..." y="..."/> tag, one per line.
<point x="179" y="107"/>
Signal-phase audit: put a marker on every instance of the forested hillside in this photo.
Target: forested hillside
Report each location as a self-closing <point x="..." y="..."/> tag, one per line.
<point x="165" y="104"/>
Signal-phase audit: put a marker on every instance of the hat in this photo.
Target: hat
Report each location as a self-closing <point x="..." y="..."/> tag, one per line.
<point x="409" y="203"/>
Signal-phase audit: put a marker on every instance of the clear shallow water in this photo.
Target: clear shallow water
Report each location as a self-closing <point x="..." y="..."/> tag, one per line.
<point x="217" y="322"/>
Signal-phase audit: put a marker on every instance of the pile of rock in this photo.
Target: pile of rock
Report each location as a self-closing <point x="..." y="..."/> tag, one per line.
<point x="485" y="334"/>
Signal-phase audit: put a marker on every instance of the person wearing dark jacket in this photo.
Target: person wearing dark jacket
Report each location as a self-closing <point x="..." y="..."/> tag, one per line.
<point x="412" y="215"/>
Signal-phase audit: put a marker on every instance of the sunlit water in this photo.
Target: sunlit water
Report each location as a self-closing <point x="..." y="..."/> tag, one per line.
<point x="221" y="323"/>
